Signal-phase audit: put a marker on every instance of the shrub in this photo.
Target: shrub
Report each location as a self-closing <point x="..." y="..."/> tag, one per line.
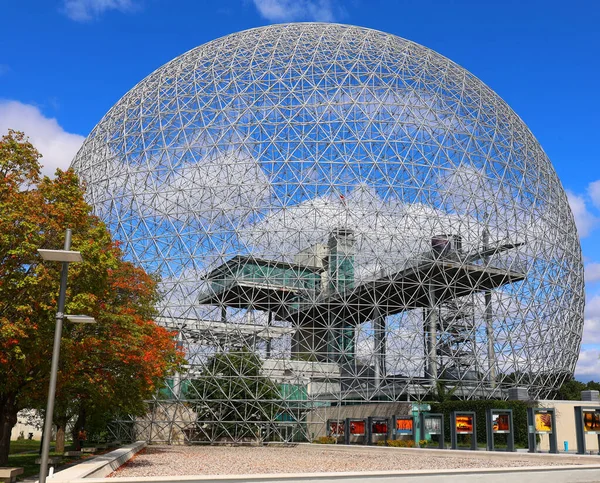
<point x="325" y="440"/>
<point x="401" y="443"/>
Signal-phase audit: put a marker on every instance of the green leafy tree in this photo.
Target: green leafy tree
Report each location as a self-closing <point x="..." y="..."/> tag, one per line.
<point x="571" y="390"/>
<point x="593" y="386"/>
<point x="109" y="366"/>
<point x="232" y="389"/>
<point x="442" y="393"/>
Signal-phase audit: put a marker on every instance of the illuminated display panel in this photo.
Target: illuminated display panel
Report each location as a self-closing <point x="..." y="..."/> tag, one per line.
<point x="379" y="427"/>
<point x="501" y="423"/>
<point x="357" y="428"/>
<point x="591" y="422"/>
<point x="336" y="428"/>
<point x="404" y="426"/>
<point x="433" y="425"/>
<point x="464" y="424"/>
<point x="543" y="422"/>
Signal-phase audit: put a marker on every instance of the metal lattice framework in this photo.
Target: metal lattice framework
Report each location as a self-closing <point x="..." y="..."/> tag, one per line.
<point x="337" y="215"/>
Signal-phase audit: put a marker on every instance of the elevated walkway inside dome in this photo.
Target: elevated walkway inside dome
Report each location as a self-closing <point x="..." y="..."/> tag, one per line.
<point x="298" y="298"/>
<point x="320" y="298"/>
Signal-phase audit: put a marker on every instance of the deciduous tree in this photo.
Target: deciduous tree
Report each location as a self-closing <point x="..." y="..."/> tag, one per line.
<point x="231" y="388"/>
<point x="112" y="365"/>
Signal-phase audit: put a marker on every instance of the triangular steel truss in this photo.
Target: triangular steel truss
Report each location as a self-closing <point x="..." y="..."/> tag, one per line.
<point x="338" y="216"/>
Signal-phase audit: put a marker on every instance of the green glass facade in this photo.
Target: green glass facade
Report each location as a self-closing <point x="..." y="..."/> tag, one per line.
<point x="266" y="273"/>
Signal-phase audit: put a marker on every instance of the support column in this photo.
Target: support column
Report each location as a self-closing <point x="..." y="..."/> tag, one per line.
<point x="425" y="320"/>
<point x="379" y="325"/>
<point x="269" y="338"/>
<point x="176" y="389"/>
<point x="432" y="322"/>
<point x="489" y="329"/>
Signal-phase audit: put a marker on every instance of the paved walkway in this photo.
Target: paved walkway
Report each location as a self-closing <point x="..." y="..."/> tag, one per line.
<point x="304" y="464"/>
<point x="562" y="476"/>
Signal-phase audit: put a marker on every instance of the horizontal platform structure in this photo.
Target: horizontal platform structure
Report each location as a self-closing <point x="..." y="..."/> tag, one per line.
<point x="407" y="289"/>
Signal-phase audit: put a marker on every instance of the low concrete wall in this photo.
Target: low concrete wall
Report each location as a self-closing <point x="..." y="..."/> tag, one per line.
<point x="100" y="466"/>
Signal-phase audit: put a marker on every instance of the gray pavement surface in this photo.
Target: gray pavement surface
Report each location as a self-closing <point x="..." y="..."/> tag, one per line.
<point x="340" y="464"/>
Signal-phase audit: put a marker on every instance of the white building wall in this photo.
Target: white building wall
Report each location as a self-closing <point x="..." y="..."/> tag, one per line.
<point x="22" y="418"/>
<point x="565" y="426"/>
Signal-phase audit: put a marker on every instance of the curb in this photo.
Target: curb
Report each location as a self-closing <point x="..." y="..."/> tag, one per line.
<point x="566" y="458"/>
<point x="361" y="475"/>
<point x="99" y="466"/>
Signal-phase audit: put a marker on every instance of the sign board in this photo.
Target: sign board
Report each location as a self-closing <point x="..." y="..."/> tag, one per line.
<point x="501" y="423"/>
<point x="430" y="424"/>
<point x="379" y="427"/>
<point x="433" y="425"/>
<point x="405" y="426"/>
<point x="591" y="422"/>
<point x="587" y="422"/>
<point x="336" y="428"/>
<point x="357" y="428"/>
<point x="543" y="422"/>
<point x="464" y="424"/>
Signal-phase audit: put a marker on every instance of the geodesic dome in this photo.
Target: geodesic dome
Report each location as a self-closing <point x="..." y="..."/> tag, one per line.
<point x="361" y="213"/>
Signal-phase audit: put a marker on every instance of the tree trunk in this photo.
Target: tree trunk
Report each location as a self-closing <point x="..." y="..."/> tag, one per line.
<point x="60" y="437"/>
<point x="79" y="425"/>
<point x="61" y="422"/>
<point x="8" y="419"/>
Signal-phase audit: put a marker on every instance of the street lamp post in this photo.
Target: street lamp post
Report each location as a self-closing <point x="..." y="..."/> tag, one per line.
<point x="65" y="256"/>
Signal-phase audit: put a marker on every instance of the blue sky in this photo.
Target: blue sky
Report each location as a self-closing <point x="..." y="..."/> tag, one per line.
<point x="64" y="63"/>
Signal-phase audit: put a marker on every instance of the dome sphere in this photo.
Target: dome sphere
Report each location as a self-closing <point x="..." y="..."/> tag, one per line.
<point x="376" y="202"/>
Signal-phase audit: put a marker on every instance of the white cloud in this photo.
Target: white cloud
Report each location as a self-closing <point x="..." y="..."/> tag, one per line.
<point x="57" y="146"/>
<point x="591" y="331"/>
<point x="591" y="327"/>
<point x="85" y="10"/>
<point x="592" y="308"/>
<point x="225" y="186"/>
<point x="584" y="220"/>
<point x="588" y="364"/>
<point x="594" y="193"/>
<point x="388" y="233"/>
<point x="592" y="272"/>
<point x="290" y="10"/>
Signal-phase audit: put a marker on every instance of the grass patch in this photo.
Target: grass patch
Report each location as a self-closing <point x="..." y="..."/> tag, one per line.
<point x="24" y="445"/>
<point x="27" y="462"/>
<point x="23" y="453"/>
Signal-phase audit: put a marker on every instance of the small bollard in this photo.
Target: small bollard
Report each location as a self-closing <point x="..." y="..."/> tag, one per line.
<point x="566" y="443"/>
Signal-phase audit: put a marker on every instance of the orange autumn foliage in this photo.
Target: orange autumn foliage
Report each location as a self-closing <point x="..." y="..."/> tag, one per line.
<point x="109" y="366"/>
